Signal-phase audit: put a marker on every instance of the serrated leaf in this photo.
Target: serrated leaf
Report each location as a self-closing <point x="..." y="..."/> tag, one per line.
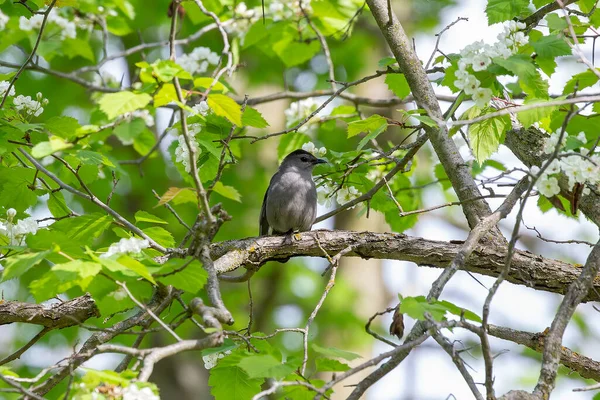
<point x="551" y="46"/>
<point x="225" y="107"/>
<point x="228" y="381"/>
<point x="398" y="85"/>
<point x="252" y="117"/>
<point x="386" y="61"/>
<point x="334" y="352"/>
<point x="265" y="366"/>
<point x="581" y="81"/>
<point x="115" y="104"/>
<point x="485" y="137"/>
<point x="85" y="228"/>
<point x="328" y="364"/>
<point x="205" y="83"/>
<point x="76" y="273"/>
<point x="165" y="95"/>
<point x="368" y="125"/>
<point x="53" y="145"/>
<point x="160" y="235"/>
<point x="503" y="10"/>
<point x="143" y="216"/>
<point x="127" y="264"/>
<point x="178" y="196"/>
<point x="64" y="127"/>
<point x="17" y="265"/>
<point x="192" y="278"/>
<point x="228" y="192"/>
<point x="416" y="307"/>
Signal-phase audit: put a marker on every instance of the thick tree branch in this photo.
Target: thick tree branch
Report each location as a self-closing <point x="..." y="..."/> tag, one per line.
<point x="55" y="316"/>
<point x="528" y="269"/>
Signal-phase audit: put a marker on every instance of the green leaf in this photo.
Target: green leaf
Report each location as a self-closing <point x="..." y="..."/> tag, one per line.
<point x="15" y="188"/>
<point x="128" y="131"/>
<point x="205" y="83"/>
<point x="551" y="46"/>
<point x="529" y="77"/>
<point x="265" y="366"/>
<point x="127" y="264"/>
<point x="486" y="136"/>
<point x="503" y="10"/>
<point x="397" y="83"/>
<point x="328" y="364"/>
<point x="373" y="123"/>
<point x="370" y="136"/>
<point x="228" y="381"/>
<point x="73" y="47"/>
<point x="225" y="107"/>
<point x="228" y="192"/>
<point x="166" y="70"/>
<point x="64" y="127"/>
<point x="386" y="62"/>
<point x="115" y="104"/>
<point x="76" y="273"/>
<point x="85" y="228"/>
<point x="416" y="307"/>
<point x="57" y="205"/>
<point x="529" y="117"/>
<point x="165" y="95"/>
<point x="581" y="81"/>
<point x="53" y="145"/>
<point x="17" y="265"/>
<point x="333" y="352"/>
<point x="160" y="235"/>
<point x="294" y="53"/>
<point x="192" y="278"/>
<point x="252" y="117"/>
<point x="178" y="196"/>
<point x="143" y="216"/>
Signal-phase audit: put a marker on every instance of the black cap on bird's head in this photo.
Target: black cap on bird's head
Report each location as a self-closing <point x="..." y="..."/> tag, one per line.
<point x="302" y="159"/>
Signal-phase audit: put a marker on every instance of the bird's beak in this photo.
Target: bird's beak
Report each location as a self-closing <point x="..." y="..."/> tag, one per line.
<point x="321" y="161"/>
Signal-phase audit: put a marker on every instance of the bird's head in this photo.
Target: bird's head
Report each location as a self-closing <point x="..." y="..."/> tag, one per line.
<point x="301" y="160"/>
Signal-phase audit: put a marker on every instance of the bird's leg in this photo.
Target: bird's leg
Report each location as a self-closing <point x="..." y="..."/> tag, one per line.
<point x="288" y="237"/>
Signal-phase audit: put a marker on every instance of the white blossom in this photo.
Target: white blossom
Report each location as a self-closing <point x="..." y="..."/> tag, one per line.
<point x="132" y="392"/>
<point x="142" y="114"/>
<point x="28" y="105"/>
<point x="310" y="147"/>
<point x="347" y="194"/>
<point x="126" y="245"/>
<point x="482" y="97"/>
<point x="4" y="87"/>
<point x="68" y="29"/>
<point x="198" y="61"/>
<point x="201" y="108"/>
<point x="552" y="141"/>
<point x="548" y="186"/>
<point x="210" y="360"/>
<point x="581" y="137"/>
<point x="534" y="170"/>
<point x="3" y="20"/>
<point x="182" y="154"/>
<point x="300" y="110"/>
<point x="16" y="231"/>
<point x="324" y="195"/>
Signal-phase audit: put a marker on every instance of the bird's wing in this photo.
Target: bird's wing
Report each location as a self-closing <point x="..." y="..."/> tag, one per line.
<point x="263" y="223"/>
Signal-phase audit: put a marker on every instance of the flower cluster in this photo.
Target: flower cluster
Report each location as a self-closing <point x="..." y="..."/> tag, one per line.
<point x="124" y="246"/>
<point x="30" y="106"/>
<point x="132" y="392"/>
<point x="4" y="87"/>
<point x="478" y="56"/>
<point x="182" y="154"/>
<point x="300" y="110"/>
<point x="3" y="20"/>
<point x="342" y="196"/>
<point x="285" y="10"/>
<point x="16" y="232"/>
<point x="310" y="147"/>
<point x="68" y="29"/>
<point x="577" y="167"/>
<point x="211" y="360"/>
<point x="201" y="108"/>
<point x="242" y="19"/>
<point x="142" y="114"/>
<point x="198" y="60"/>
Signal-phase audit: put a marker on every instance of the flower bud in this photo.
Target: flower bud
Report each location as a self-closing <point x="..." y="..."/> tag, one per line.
<point x="10" y="213"/>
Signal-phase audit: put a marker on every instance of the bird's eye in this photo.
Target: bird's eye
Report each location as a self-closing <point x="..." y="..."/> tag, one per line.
<point x="304" y="159"/>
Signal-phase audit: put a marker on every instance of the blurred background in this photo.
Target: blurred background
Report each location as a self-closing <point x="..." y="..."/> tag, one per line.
<point x="285" y="294"/>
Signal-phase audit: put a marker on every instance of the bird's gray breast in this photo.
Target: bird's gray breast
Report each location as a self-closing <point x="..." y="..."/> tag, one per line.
<point x="291" y="202"/>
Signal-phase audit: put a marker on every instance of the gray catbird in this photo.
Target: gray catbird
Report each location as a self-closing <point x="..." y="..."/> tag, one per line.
<point x="290" y="202"/>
